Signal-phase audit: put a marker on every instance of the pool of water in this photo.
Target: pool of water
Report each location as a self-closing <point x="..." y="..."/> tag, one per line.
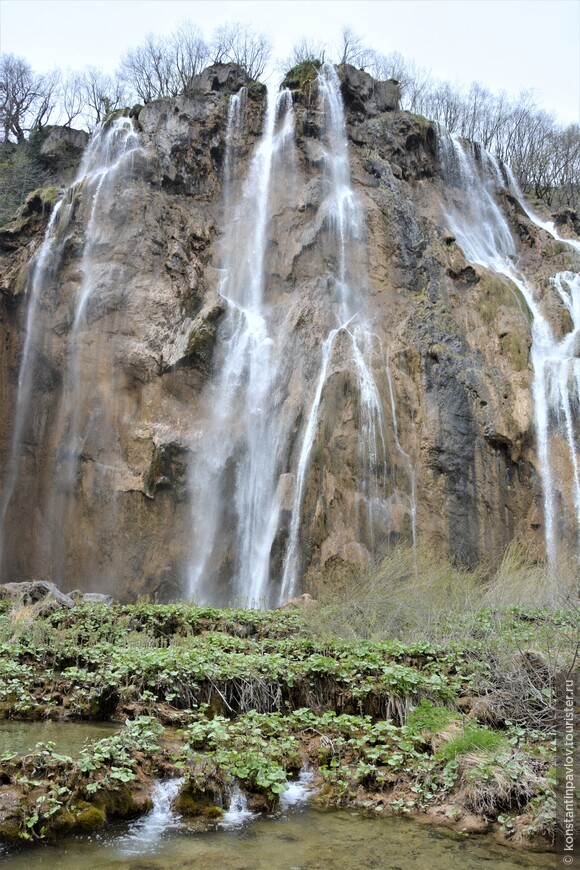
<point x="298" y="839"/>
<point x="68" y="737"/>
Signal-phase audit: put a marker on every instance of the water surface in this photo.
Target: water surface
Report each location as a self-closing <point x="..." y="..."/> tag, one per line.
<point x="307" y="839"/>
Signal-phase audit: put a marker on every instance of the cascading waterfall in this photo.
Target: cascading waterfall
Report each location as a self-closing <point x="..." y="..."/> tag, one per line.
<point x="82" y="403"/>
<point x="241" y="438"/>
<point x="342" y="214"/>
<point x="104" y="157"/>
<point x="483" y="234"/>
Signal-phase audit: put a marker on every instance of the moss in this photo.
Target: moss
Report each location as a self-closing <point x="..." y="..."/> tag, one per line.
<point x="514" y="345"/>
<point x="494" y="292"/>
<point x="84" y="818"/>
<point x="201" y="341"/>
<point x="421" y="120"/>
<point x="301" y="75"/>
<point x="10" y="831"/>
<point x="195" y="803"/>
<point x="256" y="91"/>
<point x="115" y="801"/>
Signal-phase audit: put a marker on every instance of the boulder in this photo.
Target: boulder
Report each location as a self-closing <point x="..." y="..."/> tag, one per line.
<point x="63" y="148"/>
<point x="366" y="97"/>
<point x="33" y="591"/>
<point x="223" y="78"/>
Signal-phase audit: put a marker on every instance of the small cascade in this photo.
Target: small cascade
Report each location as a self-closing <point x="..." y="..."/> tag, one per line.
<point x="237" y="814"/>
<point x="292" y="560"/>
<point x="547" y="226"/>
<point x="234" y="129"/>
<point x="234" y="475"/>
<point x="483" y="234"/>
<point x="146" y="834"/>
<point x="298" y="791"/>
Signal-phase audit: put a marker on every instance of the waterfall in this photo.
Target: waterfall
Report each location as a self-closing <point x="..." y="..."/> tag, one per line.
<point x="83" y="402"/>
<point x="342" y="214"/>
<point x="104" y="157"/>
<point x="44" y="266"/>
<point x="483" y="234"/>
<point x="234" y="475"/>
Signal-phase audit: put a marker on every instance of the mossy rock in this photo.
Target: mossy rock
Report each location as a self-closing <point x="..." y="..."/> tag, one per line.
<point x="46" y="196"/>
<point x="256" y="91"/>
<point x="516" y="347"/>
<point x="11" y="831"/>
<point x="116" y="802"/>
<point x="200" y="342"/>
<point x="202" y="792"/>
<point x="82" y="818"/>
<point x="197" y="804"/>
<point x="301" y="75"/>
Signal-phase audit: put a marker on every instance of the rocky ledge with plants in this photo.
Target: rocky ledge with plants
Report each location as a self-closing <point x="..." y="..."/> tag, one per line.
<point x="448" y="716"/>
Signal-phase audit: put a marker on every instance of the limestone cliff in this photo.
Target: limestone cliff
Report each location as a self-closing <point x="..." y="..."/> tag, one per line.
<point x="125" y="382"/>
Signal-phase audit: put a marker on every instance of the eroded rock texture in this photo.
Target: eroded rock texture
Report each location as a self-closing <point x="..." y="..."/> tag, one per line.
<point x="130" y="391"/>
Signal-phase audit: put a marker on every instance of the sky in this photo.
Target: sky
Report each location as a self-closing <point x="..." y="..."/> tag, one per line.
<point x="510" y="45"/>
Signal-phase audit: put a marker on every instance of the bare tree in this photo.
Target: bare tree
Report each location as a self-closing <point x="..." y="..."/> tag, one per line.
<point x="163" y="67"/>
<point x="189" y="51"/>
<point x="101" y="94"/>
<point x="352" y="49"/>
<point x="238" y="43"/>
<point x="27" y="100"/>
<point x="306" y="50"/>
<point x="72" y="98"/>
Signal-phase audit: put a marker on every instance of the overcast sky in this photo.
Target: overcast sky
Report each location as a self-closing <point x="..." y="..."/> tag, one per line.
<point x="504" y="44"/>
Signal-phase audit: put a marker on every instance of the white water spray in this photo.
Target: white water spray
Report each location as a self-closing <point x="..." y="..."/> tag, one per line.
<point x="146" y="834"/>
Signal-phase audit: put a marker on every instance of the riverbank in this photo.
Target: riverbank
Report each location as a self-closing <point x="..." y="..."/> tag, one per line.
<point x="250" y="698"/>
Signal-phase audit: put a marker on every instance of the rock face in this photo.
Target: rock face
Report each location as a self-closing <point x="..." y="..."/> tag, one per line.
<point x="131" y="333"/>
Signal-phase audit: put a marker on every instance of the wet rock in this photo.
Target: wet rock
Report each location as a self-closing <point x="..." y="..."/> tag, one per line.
<point x="97" y="598"/>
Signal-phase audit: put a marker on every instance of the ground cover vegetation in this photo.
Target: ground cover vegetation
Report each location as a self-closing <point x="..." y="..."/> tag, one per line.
<point x="440" y="704"/>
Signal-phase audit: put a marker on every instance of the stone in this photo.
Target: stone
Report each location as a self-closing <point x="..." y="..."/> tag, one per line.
<point x="299" y="601"/>
<point x="366" y="97"/>
<point x="97" y="598"/>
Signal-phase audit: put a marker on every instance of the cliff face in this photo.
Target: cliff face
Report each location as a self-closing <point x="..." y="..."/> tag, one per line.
<point x="423" y="416"/>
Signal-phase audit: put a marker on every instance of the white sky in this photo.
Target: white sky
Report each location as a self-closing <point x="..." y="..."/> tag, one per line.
<point x="504" y="44"/>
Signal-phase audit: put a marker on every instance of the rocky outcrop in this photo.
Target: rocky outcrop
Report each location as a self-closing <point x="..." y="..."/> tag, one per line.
<point x="451" y="351"/>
